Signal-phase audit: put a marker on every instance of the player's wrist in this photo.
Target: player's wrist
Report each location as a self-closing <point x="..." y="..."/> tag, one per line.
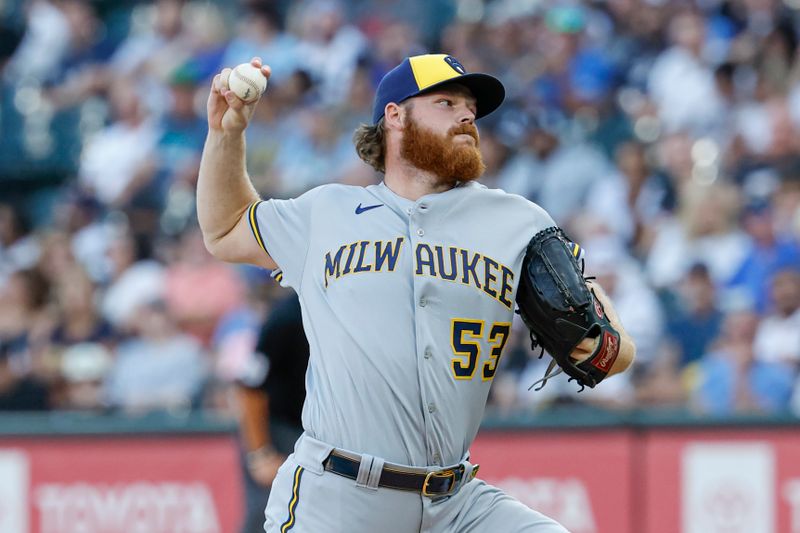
<point x="264" y="452"/>
<point x="225" y="135"/>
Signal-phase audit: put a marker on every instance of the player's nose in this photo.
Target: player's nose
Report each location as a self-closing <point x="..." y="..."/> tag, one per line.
<point x="467" y="116"/>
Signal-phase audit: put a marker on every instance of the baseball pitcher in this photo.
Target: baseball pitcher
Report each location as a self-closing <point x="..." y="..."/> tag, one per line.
<point x="408" y="290"/>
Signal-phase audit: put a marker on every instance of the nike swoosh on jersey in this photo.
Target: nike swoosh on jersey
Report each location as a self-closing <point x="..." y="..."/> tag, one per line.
<point x="360" y="209"/>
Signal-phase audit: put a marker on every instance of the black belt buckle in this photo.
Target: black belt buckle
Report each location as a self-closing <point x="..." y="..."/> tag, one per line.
<point x="441" y="474"/>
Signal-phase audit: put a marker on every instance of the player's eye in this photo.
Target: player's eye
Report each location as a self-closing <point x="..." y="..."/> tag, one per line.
<point x="444" y="102"/>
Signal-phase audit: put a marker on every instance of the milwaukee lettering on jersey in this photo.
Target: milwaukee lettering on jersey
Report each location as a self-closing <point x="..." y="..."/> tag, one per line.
<point x="362" y="256"/>
<point x="609" y="350"/>
<point x="447" y="263"/>
<point x="468" y="268"/>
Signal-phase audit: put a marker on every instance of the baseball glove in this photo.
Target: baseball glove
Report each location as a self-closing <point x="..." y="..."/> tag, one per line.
<point x="561" y="310"/>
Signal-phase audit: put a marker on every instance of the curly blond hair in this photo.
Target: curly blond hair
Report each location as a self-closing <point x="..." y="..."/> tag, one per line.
<point x="370" y="141"/>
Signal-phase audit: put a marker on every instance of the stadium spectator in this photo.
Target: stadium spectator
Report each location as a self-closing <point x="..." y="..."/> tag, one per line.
<point x="135" y="279"/>
<point x="44" y="44"/>
<point x="634" y="197"/>
<point x="19" y="248"/>
<point x="81" y="72"/>
<point x="270" y="393"/>
<point x="705" y="231"/>
<point x="23" y="308"/>
<point x="329" y="47"/>
<point x="695" y="318"/>
<point x="20" y="392"/>
<point x="681" y="82"/>
<point x="80" y="217"/>
<point x="731" y="378"/>
<point x="555" y="173"/>
<point x="56" y="258"/>
<point x="769" y="252"/>
<point x="158" y="368"/>
<point x="77" y="318"/>
<point x="113" y="164"/>
<point x="198" y="290"/>
<point x="260" y="34"/>
<point x="170" y="175"/>
<point x="157" y="44"/>
<point x="83" y="368"/>
<point x="315" y="154"/>
<point x="778" y="335"/>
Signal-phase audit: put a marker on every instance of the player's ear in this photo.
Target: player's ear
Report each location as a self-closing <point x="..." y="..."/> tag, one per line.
<point x="393" y="116"/>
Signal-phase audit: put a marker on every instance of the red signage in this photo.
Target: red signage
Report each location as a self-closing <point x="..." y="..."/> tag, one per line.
<point x="580" y="478"/>
<point x="651" y="480"/>
<point x="722" y="481"/>
<point x="592" y="481"/>
<point x="116" y="485"/>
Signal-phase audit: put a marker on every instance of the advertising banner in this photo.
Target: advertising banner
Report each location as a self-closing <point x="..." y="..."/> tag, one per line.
<point x="583" y="479"/>
<point x="115" y="485"/>
<point x="722" y="481"/>
<point x="624" y="480"/>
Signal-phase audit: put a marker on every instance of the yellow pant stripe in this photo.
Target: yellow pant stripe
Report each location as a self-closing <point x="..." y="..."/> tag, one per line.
<point x="286" y="526"/>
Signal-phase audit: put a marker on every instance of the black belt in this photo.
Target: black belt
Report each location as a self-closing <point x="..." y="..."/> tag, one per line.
<point x="432" y="484"/>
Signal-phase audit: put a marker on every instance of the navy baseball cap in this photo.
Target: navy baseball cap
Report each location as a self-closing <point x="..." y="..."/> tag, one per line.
<point x="419" y="74"/>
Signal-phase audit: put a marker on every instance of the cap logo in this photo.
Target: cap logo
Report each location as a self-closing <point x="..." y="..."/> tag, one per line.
<point x="453" y="62"/>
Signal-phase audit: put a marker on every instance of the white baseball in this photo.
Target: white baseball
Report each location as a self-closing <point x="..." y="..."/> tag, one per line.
<point x="247" y="82"/>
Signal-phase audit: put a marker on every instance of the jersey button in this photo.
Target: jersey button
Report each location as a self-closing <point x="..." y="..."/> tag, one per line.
<point x="423" y="302"/>
<point x="420" y="232"/>
<point x="431" y="408"/>
<point x="428" y="353"/>
<point x="437" y="458"/>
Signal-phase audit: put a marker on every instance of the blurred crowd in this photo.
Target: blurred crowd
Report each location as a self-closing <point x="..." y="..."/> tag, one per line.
<point x="664" y="136"/>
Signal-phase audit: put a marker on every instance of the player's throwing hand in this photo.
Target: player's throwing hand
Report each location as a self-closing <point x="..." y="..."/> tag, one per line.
<point x="226" y="111"/>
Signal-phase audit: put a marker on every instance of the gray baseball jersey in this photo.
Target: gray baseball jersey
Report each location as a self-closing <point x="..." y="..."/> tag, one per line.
<point x="407" y="307"/>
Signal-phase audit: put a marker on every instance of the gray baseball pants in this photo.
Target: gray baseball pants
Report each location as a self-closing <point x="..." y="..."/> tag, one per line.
<point x="307" y="499"/>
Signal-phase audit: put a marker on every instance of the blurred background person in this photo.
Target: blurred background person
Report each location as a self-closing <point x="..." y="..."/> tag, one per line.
<point x="198" y="290"/>
<point x="83" y="368"/>
<point x="158" y="367"/>
<point x="135" y="278"/>
<point x="19" y="247"/>
<point x="778" y="335"/>
<point x="695" y="318"/>
<point x="271" y="392"/>
<point x="20" y="392"/>
<point x="731" y="378"/>
<point x="113" y="161"/>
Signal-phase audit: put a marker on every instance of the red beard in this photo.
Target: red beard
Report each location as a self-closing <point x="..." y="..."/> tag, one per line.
<point x="439" y="154"/>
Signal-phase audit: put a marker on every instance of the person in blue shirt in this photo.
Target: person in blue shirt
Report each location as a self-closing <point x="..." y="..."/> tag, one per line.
<point x="730" y="379"/>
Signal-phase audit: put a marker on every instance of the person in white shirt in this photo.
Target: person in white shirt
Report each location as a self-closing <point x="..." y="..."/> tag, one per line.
<point x="778" y="335"/>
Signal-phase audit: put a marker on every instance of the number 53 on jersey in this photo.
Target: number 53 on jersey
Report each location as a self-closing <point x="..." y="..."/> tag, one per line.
<point x="467" y="339"/>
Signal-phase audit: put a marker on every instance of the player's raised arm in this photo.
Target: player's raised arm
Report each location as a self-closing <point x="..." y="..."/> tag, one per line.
<point x="224" y="190"/>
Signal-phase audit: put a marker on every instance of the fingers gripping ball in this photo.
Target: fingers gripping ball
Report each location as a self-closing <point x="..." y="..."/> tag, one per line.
<point x="247" y="82"/>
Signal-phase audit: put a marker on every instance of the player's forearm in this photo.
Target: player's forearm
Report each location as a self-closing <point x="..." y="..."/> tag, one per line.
<point x="627" y="353"/>
<point x="224" y="191"/>
<point x="253" y="418"/>
<point x="627" y="348"/>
